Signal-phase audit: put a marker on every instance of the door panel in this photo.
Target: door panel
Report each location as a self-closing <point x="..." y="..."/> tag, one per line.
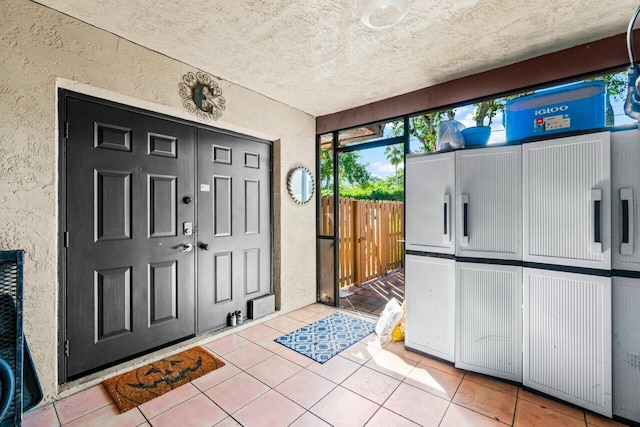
<point x="490" y="182"/>
<point x="567" y="201"/>
<point x="430" y="192"/>
<point x="130" y="287"/>
<point x="234" y="225"/>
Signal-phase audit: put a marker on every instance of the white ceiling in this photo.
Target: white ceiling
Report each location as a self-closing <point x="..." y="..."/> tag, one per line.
<point x="316" y="56"/>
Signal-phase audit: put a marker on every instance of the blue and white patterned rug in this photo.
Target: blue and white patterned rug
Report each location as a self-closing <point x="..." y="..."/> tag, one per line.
<point x="327" y="337"/>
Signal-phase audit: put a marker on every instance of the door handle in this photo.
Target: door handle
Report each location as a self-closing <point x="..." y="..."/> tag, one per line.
<point x="628" y="221"/>
<point x="187" y="247"/>
<point x="464" y="240"/>
<point x="596" y="199"/>
<point x="447" y="230"/>
<point x="204" y="246"/>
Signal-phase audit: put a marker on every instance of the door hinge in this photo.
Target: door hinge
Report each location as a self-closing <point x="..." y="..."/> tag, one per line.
<point x="66" y="348"/>
<point x="66" y="239"/>
<point x="66" y="130"/>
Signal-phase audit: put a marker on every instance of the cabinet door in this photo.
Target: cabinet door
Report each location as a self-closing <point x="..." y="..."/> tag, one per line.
<point x="489" y="202"/>
<point x="567" y="337"/>
<point x="626" y="348"/>
<point x="430" y="305"/>
<point x="567" y="203"/>
<point x="430" y="190"/>
<point x="489" y="319"/>
<point x="625" y="193"/>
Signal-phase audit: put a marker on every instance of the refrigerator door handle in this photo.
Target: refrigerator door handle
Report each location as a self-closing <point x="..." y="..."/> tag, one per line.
<point x="628" y="220"/>
<point x="447" y="226"/>
<point x="596" y="241"/>
<point x="464" y="240"/>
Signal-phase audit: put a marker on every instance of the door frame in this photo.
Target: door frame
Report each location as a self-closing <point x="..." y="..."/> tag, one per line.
<point x="335" y="152"/>
<point x="63" y="95"/>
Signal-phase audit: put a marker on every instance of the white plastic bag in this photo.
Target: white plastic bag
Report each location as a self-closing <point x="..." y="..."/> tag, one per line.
<point x="389" y="318"/>
<point x="449" y="135"/>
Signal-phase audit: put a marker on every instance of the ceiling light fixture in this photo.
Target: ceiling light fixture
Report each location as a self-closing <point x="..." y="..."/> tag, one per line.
<point x="380" y="14"/>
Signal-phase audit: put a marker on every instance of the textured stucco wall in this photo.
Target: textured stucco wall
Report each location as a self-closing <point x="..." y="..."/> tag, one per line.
<point x="40" y="50"/>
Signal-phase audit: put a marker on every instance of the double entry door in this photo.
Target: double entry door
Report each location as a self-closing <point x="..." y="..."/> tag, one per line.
<point x="166" y="229"/>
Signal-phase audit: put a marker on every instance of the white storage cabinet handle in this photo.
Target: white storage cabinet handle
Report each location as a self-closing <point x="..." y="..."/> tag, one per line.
<point x="447" y="223"/>
<point x="464" y="240"/>
<point x="628" y="220"/>
<point x="596" y="213"/>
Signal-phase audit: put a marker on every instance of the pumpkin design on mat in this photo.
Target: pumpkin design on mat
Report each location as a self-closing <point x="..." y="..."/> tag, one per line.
<point x="140" y="385"/>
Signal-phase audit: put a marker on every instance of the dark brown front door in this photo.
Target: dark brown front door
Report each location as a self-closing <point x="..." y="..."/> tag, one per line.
<point x="129" y="200"/>
<point x="234" y="225"/>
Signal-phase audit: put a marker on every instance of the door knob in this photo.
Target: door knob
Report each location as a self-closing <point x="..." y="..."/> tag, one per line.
<point x="187" y="247"/>
<point x="204" y="246"/>
<point x="186" y="199"/>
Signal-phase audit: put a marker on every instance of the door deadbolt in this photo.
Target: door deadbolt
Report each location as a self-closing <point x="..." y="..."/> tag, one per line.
<point x="186" y="199"/>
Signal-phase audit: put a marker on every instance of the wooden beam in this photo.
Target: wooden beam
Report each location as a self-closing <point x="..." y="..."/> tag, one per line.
<point x="587" y="59"/>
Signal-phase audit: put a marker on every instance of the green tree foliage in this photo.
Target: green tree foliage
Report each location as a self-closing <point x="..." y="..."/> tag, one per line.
<point x="395" y="155"/>
<point x="350" y="170"/>
<point x="378" y="189"/>
<point x="425" y="128"/>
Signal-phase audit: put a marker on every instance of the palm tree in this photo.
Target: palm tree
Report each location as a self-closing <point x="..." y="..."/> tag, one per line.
<point x="395" y="155"/>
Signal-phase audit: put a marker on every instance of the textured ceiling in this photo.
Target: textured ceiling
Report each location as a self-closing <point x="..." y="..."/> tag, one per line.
<point x="316" y="56"/>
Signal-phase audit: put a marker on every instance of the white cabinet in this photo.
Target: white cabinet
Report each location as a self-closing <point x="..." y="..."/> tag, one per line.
<point x="430" y="191"/>
<point x="625" y="194"/>
<point x="626" y="348"/>
<point x="566" y="201"/>
<point x="567" y="337"/>
<point x="489" y="203"/>
<point x="489" y="319"/>
<point x="430" y="305"/>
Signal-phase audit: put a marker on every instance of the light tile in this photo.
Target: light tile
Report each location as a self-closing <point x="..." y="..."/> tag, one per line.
<point x="274" y="370"/>
<point x="168" y="400"/>
<point x="256" y="332"/>
<point x="372" y="341"/>
<point x="321" y="308"/>
<point x="247" y="356"/>
<point x="82" y="403"/>
<point x="305" y="388"/>
<point x="487" y="401"/>
<point x="360" y="352"/>
<point x="391" y="364"/>
<point x="343" y="407"/>
<point x="196" y="412"/>
<point x="227" y="344"/>
<point x="109" y="416"/>
<point x="295" y="357"/>
<point x="213" y="378"/>
<point x="336" y="369"/>
<point x="315" y="318"/>
<point x="44" y="416"/>
<point x="386" y="418"/>
<point x="429" y="379"/>
<point x="236" y="392"/>
<point x="398" y="348"/>
<point x="293" y="327"/>
<point x="551" y="404"/>
<point x="228" y="422"/>
<point x="600" y="421"/>
<point x="419" y="406"/>
<point x="301" y="314"/>
<point x="270" y="344"/>
<point x="309" y="420"/>
<point x="442" y="366"/>
<point x="371" y="384"/>
<point x="281" y="322"/>
<point x="271" y="409"/>
<point x="493" y="383"/>
<point x="530" y="414"/>
<point x="457" y="416"/>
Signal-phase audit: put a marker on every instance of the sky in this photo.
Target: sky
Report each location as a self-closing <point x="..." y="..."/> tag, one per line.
<point x="379" y="165"/>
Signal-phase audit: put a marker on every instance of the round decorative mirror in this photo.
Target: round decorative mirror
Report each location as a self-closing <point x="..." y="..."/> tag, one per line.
<point x="300" y="185"/>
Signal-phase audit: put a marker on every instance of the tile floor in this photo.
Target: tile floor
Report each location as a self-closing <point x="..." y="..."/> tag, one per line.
<point x="266" y="384"/>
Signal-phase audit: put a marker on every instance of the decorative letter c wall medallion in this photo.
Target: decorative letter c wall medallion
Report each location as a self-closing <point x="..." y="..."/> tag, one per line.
<point x="201" y="96"/>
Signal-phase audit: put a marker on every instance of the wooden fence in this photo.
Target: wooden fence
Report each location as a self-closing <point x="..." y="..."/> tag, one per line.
<point x="368" y="237"/>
